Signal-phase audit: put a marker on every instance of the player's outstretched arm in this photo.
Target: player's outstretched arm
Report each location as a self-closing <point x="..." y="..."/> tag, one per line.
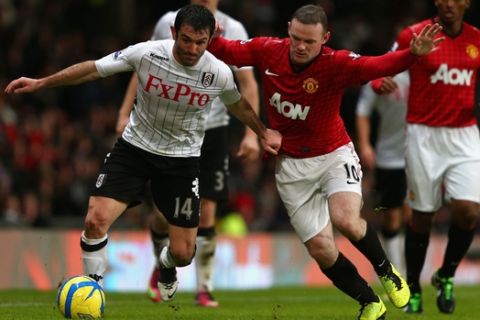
<point x="425" y="41"/>
<point x="75" y="74"/>
<point x="271" y="140"/>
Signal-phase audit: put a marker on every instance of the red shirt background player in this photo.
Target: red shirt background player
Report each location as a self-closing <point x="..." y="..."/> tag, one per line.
<point x="442" y="92"/>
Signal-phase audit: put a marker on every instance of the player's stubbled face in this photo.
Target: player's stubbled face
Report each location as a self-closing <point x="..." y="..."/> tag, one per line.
<point x="306" y="41"/>
<point x="190" y="45"/>
<point x="450" y="11"/>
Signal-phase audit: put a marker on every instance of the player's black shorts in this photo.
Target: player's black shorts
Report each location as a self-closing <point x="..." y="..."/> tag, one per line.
<point x="391" y="187"/>
<point x="174" y="182"/>
<point x="214" y="165"/>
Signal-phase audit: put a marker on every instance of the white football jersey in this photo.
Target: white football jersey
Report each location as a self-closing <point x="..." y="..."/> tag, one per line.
<point x="233" y="29"/>
<point x="173" y="101"/>
<point x="392" y="109"/>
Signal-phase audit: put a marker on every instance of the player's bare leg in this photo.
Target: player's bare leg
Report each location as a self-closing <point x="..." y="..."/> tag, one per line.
<point x="179" y="253"/>
<point x="102" y="212"/>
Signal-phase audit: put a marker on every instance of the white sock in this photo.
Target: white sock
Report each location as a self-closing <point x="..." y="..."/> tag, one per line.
<point x="158" y="244"/>
<point x="395" y="250"/>
<point x="204" y="261"/>
<point x="166" y="260"/>
<point x="94" y="262"/>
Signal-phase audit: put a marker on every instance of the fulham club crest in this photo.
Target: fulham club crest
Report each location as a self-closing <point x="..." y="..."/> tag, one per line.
<point x="207" y="79"/>
<point x="100" y="180"/>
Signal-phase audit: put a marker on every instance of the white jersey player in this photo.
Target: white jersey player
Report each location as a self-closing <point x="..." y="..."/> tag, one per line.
<point x="392" y="109"/>
<point x="388" y="158"/>
<point x="173" y="101"/>
<point x="232" y="29"/>
<point x="161" y="145"/>
<point x="214" y="162"/>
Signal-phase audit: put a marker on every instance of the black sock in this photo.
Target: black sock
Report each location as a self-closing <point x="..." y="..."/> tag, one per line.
<point x="345" y="277"/>
<point x="206" y="232"/>
<point x="371" y="248"/>
<point x="416" y="245"/>
<point x="459" y="241"/>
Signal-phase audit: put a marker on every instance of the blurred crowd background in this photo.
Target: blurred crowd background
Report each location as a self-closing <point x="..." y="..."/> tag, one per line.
<point x="52" y="143"/>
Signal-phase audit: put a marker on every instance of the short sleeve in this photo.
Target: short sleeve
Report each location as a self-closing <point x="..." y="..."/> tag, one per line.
<point x="230" y="93"/>
<point x="120" y="61"/>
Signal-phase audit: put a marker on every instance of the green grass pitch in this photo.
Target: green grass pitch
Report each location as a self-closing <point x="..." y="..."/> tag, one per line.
<point x="286" y="303"/>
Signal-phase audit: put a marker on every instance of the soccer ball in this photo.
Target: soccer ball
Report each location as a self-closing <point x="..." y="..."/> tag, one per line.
<point x="81" y="297"/>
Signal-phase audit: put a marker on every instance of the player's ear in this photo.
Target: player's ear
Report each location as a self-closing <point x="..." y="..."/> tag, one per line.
<point x="174" y="32"/>
<point x="326" y="37"/>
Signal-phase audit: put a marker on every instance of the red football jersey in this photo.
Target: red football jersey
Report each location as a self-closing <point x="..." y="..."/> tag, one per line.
<point x="442" y="83"/>
<point x="304" y="106"/>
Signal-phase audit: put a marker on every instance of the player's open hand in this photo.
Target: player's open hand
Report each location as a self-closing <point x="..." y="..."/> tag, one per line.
<point x="425" y="42"/>
<point x="271" y="141"/>
<point x="22" y="85"/>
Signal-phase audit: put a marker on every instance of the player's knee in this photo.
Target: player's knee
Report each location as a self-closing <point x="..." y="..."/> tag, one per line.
<point x="183" y="260"/>
<point x="466" y="214"/>
<point x="96" y="223"/>
<point x="351" y="228"/>
<point x="323" y="249"/>
<point x="182" y="256"/>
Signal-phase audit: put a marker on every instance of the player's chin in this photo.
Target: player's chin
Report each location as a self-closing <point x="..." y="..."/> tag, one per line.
<point x="300" y="58"/>
<point x="190" y="60"/>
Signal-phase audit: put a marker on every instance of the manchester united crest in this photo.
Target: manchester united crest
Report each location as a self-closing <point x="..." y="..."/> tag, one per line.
<point x="472" y="51"/>
<point x="411" y="195"/>
<point x="310" y="85"/>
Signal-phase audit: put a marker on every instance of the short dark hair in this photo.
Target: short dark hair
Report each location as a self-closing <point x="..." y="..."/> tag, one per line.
<point x="196" y="16"/>
<point x="311" y="14"/>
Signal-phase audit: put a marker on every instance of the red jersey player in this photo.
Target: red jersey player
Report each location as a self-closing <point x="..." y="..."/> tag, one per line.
<point x="443" y="148"/>
<point x="318" y="173"/>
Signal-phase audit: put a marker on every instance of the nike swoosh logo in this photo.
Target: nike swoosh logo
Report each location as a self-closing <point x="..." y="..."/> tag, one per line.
<point x="268" y="73"/>
<point x="170" y="296"/>
<point x="352" y="182"/>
